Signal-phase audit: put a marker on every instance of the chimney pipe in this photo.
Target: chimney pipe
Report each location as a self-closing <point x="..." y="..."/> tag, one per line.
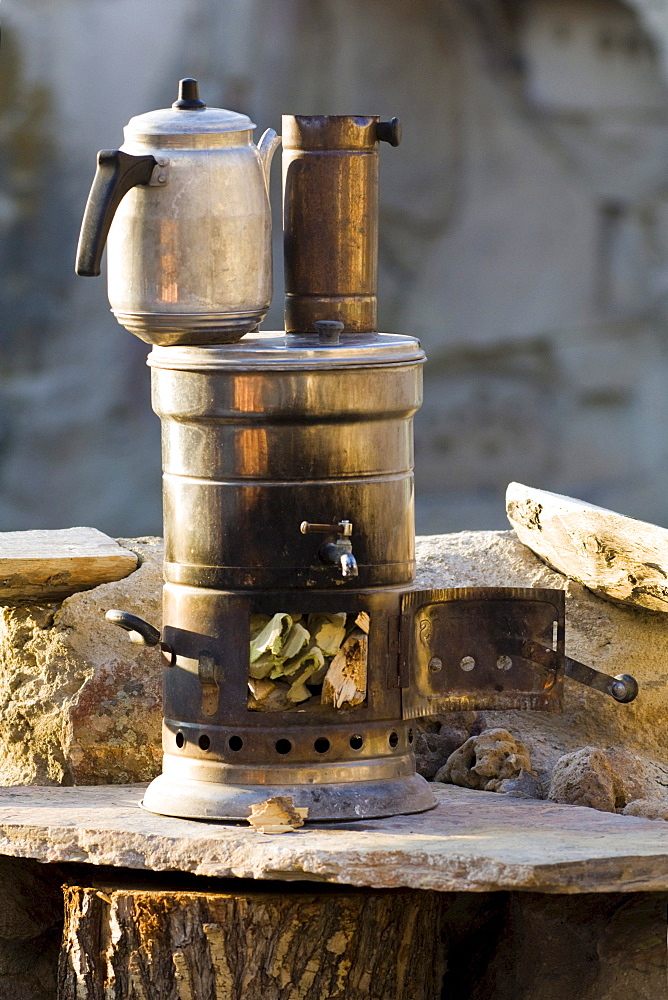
<point x="330" y="219"/>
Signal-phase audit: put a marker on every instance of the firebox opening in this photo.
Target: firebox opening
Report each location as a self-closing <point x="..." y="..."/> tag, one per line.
<point x="302" y="661"/>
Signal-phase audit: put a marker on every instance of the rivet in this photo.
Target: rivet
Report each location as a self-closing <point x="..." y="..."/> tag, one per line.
<point x="467" y="663"/>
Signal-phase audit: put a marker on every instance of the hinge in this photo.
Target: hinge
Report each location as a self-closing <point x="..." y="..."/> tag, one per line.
<point x="393" y="650"/>
<point x="405" y="623"/>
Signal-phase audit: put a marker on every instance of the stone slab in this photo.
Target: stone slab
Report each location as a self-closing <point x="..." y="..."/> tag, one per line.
<point x="472" y="842"/>
<point x="50" y="565"/>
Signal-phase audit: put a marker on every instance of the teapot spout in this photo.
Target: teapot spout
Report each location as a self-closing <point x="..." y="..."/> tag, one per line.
<point x="267" y="146"/>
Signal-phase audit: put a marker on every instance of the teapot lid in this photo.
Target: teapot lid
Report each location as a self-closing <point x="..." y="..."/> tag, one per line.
<point x="188" y="115"/>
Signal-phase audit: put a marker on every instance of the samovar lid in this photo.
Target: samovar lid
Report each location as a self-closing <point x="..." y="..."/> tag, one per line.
<point x="283" y="351"/>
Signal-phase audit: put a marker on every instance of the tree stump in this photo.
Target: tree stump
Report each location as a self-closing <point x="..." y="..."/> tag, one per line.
<point x="326" y="943"/>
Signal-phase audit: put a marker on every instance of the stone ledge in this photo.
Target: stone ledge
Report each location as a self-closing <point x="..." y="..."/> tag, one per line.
<point x="472" y="842"/>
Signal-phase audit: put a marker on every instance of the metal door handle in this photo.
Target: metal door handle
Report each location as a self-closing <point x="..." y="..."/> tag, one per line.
<point x="148" y="635"/>
<point x="622" y="687"/>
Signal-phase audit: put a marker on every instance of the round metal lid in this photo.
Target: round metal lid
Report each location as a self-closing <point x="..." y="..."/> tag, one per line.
<point x="167" y="121"/>
<point x="281" y="351"/>
<point x="188" y="115"/>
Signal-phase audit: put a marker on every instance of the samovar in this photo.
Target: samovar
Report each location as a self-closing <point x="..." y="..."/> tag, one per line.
<point x="297" y="651"/>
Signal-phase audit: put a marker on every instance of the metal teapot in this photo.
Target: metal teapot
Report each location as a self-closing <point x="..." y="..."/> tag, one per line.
<point x="183" y="207"/>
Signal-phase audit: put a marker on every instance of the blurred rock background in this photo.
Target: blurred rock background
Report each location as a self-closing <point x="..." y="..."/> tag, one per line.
<point x="524" y="235"/>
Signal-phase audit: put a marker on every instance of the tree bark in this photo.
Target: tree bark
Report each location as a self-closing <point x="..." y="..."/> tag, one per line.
<point x="123" y="943"/>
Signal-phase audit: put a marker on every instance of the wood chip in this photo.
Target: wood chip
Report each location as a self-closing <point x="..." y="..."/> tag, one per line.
<point x="363" y="621"/>
<point x="273" y="701"/>
<point x="259" y="688"/>
<point x="277" y="815"/>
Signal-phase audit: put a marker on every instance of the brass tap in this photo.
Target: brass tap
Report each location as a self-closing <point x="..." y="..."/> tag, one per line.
<point x="338" y="553"/>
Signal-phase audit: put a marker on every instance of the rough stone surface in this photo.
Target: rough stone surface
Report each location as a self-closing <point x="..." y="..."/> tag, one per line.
<point x="612" y="638"/>
<point x="647" y="808"/>
<point x="80" y="703"/>
<point x="471" y="842"/>
<point x="601" y="779"/>
<point x="525" y="785"/>
<point x="437" y="738"/>
<point x="486" y="761"/>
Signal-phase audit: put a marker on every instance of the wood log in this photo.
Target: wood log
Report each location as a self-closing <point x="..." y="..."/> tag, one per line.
<point x="50" y="565"/>
<point x="617" y="557"/>
<point x="345" y="681"/>
<point x="327" y="943"/>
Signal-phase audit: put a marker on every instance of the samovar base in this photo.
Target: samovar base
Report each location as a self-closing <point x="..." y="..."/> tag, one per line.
<point x="189" y="798"/>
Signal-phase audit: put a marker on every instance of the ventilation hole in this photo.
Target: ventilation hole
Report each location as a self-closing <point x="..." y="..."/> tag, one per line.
<point x="321" y="745"/>
<point x="180" y="740"/>
<point x="498" y="687"/>
<point x="283" y="746"/>
<point x="394" y="739"/>
<point x="235" y="743"/>
<point x="357" y="742"/>
<point x="204" y="742"/>
<point x="410" y="735"/>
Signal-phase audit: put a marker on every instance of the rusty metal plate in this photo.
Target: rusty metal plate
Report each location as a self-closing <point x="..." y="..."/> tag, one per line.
<point x="481" y="648"/>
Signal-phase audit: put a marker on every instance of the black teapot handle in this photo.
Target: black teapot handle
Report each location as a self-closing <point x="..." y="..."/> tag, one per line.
<point x="116" y="174"/>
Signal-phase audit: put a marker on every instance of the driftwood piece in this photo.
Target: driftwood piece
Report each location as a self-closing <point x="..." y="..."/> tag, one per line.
<point x="341" y="944"/>
<point x="50" y="565"/>
<point x="614" y="556"/>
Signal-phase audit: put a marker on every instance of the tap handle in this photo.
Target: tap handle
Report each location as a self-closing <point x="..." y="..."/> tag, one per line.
<point x="344" y="528"/>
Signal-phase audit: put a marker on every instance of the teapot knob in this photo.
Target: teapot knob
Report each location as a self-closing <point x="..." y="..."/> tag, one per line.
<point x="188" y="96"/>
